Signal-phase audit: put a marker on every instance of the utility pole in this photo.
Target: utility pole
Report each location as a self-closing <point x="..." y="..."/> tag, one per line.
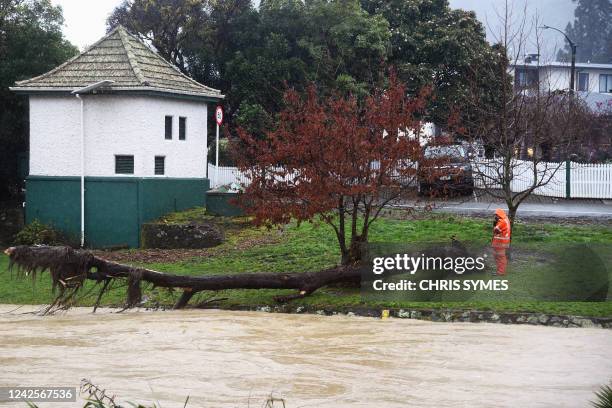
<point x="573" y="48"/>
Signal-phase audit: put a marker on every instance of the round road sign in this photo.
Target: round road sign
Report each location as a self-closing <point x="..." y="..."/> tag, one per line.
<point x="219" y="115"/>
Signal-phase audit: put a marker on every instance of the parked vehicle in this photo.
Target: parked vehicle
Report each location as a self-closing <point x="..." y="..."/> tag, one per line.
<point x="445" y="170"/>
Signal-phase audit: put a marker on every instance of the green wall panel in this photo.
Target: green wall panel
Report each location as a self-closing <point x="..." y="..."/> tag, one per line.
<point x="161" y="196"/>
<point x="115" y="207"/>
<point x="55" y="201"/>
<point x="111" y="213"/>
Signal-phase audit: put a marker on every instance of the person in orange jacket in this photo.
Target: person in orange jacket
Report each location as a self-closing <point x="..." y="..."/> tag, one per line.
<point x="501" y="240"/>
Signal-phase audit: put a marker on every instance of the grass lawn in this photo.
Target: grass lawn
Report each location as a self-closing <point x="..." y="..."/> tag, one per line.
<point x="311" y="247"/>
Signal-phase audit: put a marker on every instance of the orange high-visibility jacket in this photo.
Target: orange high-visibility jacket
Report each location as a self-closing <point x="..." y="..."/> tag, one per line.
<point x="501" y="231"/>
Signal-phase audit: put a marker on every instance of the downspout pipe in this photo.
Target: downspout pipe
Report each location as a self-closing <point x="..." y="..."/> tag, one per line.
<point x="82" y="171"/>
<point x="78" y="93"/>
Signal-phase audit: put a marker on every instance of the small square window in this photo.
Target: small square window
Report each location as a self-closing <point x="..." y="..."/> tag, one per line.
<point x="160" y="165"/>
<point x="182" y="127"/>
<point x="168" y="132"/>
<point x="124" y="164"/>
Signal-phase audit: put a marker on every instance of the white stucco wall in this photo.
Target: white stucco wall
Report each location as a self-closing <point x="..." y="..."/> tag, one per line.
<point x="115" y="125"/>
<point x="555" y="78"/>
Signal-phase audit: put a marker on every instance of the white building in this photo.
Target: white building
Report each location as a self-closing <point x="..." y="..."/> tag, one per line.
<point x="118" y="137"/>
<point x="593" y="82"/>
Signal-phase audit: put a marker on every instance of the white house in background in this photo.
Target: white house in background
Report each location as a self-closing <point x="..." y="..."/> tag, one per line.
<point x="593" y="82"/>
<point x="118" y="137"/>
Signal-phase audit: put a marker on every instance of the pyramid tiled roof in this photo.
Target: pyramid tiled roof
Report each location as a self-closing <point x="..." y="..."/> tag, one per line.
<point x="124" y="59"/>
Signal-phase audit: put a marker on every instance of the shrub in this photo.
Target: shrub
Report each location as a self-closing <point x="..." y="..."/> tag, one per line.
<point x="37" y="233"/>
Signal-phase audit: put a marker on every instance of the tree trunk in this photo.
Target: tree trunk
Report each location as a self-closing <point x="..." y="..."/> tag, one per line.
<point x="512" y="215"/>
<point x="354" y="254"/>
<point x="70" y="268"/>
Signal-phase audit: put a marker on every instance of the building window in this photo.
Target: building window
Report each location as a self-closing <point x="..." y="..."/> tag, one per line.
<point x="526" y="78"/>
<point x="124" y="164"/>
<point x="605" y="83"/>
<point x="168" y="127"/>
<point x="182" y="127"/>
<point x="583" y="81"/>
<point x="522" y="78"/>
<point x="160" y="165"/>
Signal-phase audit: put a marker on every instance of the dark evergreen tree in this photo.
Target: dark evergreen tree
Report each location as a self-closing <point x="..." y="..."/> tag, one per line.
<point x="591" y="31"/>
<point x="31" y="43"/>
<point x="434" y="44"/>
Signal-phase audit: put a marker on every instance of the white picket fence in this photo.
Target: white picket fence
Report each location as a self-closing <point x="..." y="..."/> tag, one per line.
<point x="551" y="175"/>
<point x="586" y="180"/>
<point x="591" y="180"/>
<point x="227" y="175"/>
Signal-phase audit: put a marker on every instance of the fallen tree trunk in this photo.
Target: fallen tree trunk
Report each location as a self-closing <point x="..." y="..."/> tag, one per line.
<point x="69" y="269"/>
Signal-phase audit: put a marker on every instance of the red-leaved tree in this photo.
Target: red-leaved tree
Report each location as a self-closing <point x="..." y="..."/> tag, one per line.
<point x="334" y="158"/>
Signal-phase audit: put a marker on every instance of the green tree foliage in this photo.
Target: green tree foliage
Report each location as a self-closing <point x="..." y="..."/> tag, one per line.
<point x="434" y="44"/>
<point x="335" y="44"/>
<point x="31" y="43"/>
<point x="591" y="31"/>
<point x="488" y="87"/>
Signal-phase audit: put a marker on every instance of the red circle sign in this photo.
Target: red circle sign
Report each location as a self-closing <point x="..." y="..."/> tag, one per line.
<point x="219" y="115"/>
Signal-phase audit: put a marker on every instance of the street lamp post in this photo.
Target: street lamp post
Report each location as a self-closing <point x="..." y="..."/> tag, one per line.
<point x="573" y="48"/>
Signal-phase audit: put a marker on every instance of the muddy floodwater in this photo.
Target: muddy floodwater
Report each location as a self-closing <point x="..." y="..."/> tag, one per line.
<point x="236" y="359"/>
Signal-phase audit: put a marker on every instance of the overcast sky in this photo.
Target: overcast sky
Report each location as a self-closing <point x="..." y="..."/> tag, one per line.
<point x="85" y="21"/>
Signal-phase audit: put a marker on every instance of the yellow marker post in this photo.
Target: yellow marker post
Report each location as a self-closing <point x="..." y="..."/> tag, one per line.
<point x="385" y="314"/>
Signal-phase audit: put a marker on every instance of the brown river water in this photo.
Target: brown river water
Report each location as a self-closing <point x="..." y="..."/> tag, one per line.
<point x="236" y="359"/>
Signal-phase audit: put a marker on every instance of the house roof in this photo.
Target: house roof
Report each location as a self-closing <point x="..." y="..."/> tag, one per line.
<point x="124" y="59"/>
<point x="559" y="64"/>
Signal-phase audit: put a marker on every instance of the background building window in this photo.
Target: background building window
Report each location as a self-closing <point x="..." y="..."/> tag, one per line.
<point x="583" y="81"/>
<point x="526" y="78"/>
<point x="160" y="165"/>
<point x="522" y="78"/>
<point x="124" y="164"/>
<point x="605" y="83"/>
<point x="168" y="127"/>
<point x="182" y="127"/>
